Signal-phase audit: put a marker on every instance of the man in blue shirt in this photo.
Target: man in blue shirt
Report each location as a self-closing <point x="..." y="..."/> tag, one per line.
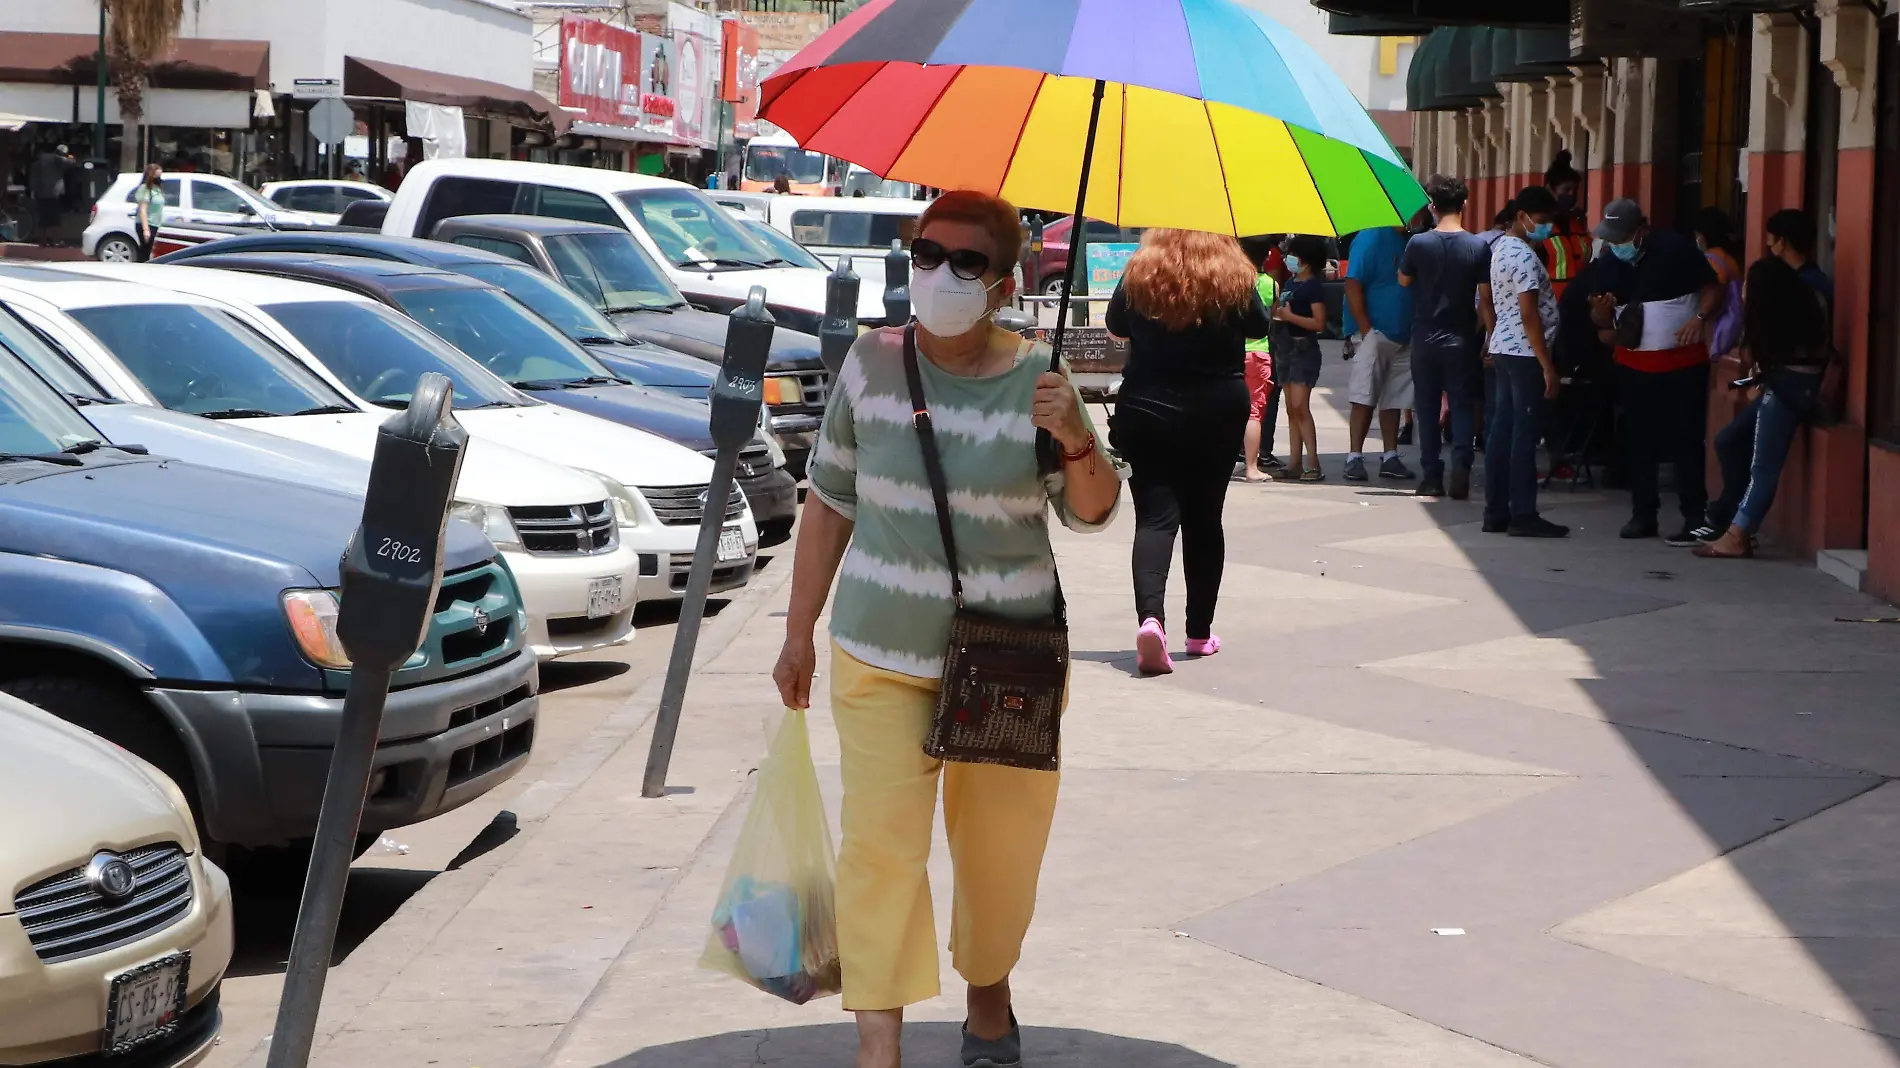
<point x="1379" y="320"/>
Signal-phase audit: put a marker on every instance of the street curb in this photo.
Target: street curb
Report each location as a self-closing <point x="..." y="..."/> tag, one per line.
<point x="416" y="924"/>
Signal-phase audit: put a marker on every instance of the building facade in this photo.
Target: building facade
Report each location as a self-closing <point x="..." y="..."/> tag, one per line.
<point x="1685" y="105"/>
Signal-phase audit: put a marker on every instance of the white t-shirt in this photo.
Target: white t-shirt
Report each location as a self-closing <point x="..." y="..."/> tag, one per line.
<point x="1516" y="269"/>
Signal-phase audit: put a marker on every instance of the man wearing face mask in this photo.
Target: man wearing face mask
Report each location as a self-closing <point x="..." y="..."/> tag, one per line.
<point x="1660" y="317"/>
<point x="1526" y="316"/>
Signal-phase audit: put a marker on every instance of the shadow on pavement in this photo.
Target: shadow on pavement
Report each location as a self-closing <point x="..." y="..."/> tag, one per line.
<point x="558" y="675"/>
<point x="830" y="1045"/>
<point x="266" y="916"/>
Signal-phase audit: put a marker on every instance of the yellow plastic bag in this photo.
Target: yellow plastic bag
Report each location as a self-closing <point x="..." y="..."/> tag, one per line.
<point x="775" y="925"/>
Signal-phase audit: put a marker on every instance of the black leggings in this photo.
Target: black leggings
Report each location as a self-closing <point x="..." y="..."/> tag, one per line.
<point x="1169" y="498"/>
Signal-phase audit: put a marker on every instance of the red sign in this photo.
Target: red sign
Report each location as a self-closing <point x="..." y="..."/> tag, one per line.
<point x="739" y="76"/>
<point x="600" y="71"/>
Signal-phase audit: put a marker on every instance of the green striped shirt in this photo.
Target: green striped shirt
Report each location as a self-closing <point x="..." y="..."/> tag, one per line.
<point x="893" y="605"/>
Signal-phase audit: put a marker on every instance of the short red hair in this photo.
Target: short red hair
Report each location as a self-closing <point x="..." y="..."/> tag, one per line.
<point x="997" y="217"/>
<point x="1181" y="278"/>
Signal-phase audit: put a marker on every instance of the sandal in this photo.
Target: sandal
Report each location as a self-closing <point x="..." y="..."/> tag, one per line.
<point x="1313" y="474"/>
<point x="1708" y="551"/>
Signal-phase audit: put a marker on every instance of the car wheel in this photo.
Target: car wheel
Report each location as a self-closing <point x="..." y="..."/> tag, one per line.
<point x="115" y="712"/>
<point x="1053" y="287"/>
<point x="775" y="532"/>
<point x="117" y="248"/>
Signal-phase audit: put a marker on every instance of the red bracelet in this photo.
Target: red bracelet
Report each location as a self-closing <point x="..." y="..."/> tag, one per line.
<point x="1086" y="450"/>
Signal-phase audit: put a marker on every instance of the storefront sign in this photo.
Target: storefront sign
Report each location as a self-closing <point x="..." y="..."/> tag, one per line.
<point x="600" y="71"/>
<point x="786" y="30"/>
<point x="658" y="110"/>
<point x="316" y="88"/>
<point x="695" y="74"/>
<point x="1089" y="349"/>
<point x="1106" y="262"/>
<point x="739" y="76"/>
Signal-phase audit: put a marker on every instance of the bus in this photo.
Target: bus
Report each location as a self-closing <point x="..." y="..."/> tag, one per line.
<point x="770" y="155"/>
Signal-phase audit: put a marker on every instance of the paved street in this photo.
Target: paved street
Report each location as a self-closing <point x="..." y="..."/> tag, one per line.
<point x="1446" y="799"/>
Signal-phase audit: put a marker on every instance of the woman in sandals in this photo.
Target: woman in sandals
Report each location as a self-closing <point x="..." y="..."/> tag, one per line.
<point x="871" y="524"/>
<point x="1298" y="321"/>
<point x="1187" y="304"/>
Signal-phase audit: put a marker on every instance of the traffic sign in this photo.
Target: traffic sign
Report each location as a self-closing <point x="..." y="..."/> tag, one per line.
<point x="314" y="88"/>
<point x="331" y="121"/>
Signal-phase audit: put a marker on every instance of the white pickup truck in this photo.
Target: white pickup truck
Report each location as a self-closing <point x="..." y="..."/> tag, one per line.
<point x="714" y="261"/>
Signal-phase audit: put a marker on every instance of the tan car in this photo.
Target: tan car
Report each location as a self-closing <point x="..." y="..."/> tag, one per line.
<point x="114" y="930"/>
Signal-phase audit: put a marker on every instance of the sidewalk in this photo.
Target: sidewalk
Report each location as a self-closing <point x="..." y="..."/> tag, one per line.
<point x="1650" y="790"/>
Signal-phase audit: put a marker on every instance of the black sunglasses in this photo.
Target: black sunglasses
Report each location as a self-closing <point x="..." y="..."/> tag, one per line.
<point x="966" y="263"/>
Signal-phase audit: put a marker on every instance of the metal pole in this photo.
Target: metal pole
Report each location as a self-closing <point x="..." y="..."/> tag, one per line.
<point x="330" y="857"/>
<point x="99" y="120"/>
<point x="1077" y="228"/>
<point x="692" y="611"/>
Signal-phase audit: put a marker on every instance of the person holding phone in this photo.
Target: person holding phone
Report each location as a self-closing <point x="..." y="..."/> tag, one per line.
<point x="1525" y="311"/>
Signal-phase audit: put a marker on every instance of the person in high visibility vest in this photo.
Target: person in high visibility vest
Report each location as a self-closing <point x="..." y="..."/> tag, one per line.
<point x="1570" y="244"/>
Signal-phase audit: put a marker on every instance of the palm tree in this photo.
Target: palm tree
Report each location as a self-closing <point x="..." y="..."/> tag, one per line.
<point x="138" y="33"/>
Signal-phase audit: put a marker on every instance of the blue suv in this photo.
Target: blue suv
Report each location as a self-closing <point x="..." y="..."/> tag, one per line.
<point x="188" y="614"/>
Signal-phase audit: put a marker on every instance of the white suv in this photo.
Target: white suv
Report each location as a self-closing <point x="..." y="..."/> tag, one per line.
<point x="189" y="198"/>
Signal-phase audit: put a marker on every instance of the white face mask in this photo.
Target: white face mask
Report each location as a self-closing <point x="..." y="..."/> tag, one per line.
<point x="946" y="305"/>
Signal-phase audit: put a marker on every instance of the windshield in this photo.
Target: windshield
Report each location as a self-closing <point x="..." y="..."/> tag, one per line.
<point x="380" y="355"/>
<point x="51" y="364"/>
<point x="693" y="232"/>
<point x="549" y="299"/>
<point x="863" y="181"/>
<point x="205" y="361"/>
<point x="501" y="335"/>
<point x="764" y="163"/>
<point x="33" y="416"/>
<point x="613" y="271"/>
<point x="852" y="229"/>
<point x="783" y="247"/>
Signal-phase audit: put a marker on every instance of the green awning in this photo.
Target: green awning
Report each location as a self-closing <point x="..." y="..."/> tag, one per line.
<point x="1439" y="78"/>
<point x="1454" y="80"/>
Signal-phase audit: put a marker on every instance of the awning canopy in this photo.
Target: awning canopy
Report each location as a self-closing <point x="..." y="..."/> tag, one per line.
<point x="1460" y="66"/>
<point x="192" y="62"/>
<point x="1456" y="12"/>
<point x="1533" y="55"/>
<point x="375" y="78"/>
<point x="1369" y="26"/>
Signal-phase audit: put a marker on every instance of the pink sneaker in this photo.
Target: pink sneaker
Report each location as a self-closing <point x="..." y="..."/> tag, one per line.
<point x="1151" y="649"/>
<point x="1207" y="646"/>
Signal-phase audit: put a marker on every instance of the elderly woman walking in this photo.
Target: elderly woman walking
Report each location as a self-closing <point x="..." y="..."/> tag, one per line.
<point x="1187" y="304"/>
<point x="871" y="523"/>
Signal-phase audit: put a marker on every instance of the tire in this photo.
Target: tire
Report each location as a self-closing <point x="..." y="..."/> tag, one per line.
<point x="280" y="869"/>
<point x="116" y="248"/>
<point x="1053" y="287"/>
<point x="116" y="712"/>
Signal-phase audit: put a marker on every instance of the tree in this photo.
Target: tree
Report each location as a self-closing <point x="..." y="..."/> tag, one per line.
<point x="138" y="32"/>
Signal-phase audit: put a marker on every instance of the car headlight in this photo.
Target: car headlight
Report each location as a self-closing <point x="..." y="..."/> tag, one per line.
<point x="312" y="616"/>
<point x="492" y="519"/>
<point x="626" y="501"/>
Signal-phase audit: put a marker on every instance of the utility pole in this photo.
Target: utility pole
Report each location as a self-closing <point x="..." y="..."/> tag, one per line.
<point x="99" y="120"/>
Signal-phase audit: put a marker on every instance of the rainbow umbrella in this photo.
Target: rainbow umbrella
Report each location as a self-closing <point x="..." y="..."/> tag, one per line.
<point x="1198" y="114"/>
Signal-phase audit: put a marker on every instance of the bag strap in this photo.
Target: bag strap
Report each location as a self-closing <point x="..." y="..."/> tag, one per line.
<point x="933" y="461"/>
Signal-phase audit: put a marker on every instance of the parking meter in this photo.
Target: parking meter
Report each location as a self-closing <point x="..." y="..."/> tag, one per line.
<point x="896" y="285"/>
<point x="737" y="394"/>
<point x="392" y="571"/>
<point x="840" y="326"/>
<point x="1035" y="234"/>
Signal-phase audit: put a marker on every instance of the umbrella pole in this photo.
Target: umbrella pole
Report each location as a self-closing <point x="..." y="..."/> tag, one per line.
<point x="1078" y="234"/>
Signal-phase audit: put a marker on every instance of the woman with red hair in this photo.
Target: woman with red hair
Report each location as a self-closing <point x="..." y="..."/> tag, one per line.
<point x="1187" y="305"/>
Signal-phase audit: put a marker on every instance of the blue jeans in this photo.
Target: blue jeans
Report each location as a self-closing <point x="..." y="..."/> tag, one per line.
<point x="1753" y="447"/>
<point x="1439" y="371"/>
<point x="1514" y="424"/>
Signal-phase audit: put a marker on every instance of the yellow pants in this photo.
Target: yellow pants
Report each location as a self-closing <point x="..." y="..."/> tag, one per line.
<point x="997" y="820"/>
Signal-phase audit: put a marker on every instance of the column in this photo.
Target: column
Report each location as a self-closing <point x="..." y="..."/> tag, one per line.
<point x="1777" y="112"/>
<point x="1589" y="114"/>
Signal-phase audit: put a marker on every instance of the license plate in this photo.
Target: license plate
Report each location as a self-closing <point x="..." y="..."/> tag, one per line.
<point x="731" y="545"/>
<point x="145" y="1001"/>
<point x="603" y="596"/>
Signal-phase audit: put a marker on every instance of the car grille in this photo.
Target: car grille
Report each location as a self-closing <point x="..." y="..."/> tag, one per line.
<point x="583" y="529"/>
<point x="64" y="917"/>
<point x="681" y="506"/>
<point x="754" y="460"/>
<point x="814" y="386"/>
